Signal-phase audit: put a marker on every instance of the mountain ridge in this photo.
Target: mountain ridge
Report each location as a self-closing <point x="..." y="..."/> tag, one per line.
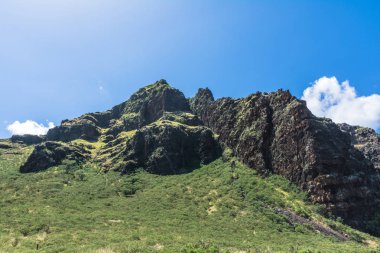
<point x="165" y="133"/>
<point x="276" y="133"/>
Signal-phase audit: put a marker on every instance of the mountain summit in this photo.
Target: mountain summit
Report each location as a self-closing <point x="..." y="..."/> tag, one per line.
<point x="154" y="129"/>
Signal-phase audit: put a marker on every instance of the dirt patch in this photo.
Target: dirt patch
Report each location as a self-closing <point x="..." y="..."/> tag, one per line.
<point x="371" y="244"/>
<point x="326" y="230"/>
<point x="212" y="209"/>
<point x="158" y="246"/>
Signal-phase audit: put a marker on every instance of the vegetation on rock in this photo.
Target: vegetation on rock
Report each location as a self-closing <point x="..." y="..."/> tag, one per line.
<point x="276" y="133"/>
<point x="49" y="154"/>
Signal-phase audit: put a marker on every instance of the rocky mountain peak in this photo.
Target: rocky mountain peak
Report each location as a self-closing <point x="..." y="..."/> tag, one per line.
<point x="205" y="94"/>
<point x="145" y="106"/>
<point x="154" y="130"/>
<point x="155" y="99"/>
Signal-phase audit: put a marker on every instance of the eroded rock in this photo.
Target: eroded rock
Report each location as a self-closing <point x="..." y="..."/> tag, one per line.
<point x="27" y="139"/>
<point x="365" y="140"/>
<point x="80" y="128"/>
<point x="144" y="107"/>
<point x="50" y="154"/>
<point x="165" y="147"/>
<point x="276" y="133"/>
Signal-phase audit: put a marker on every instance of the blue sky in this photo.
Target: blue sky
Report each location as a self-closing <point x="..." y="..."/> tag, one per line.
<point x="60" y="59"/>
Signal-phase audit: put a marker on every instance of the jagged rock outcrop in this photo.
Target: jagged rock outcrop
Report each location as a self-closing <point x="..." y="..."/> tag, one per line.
<point x="50" y="154"/>
<point x="82" y="128"/>
<point x="144" y="107"/>
<point x="27" y="139"/>
<point x="276" y="133"/>
<point x="154" y="130"/>
<point x="167" y="147"/>
<point x="366" y="140"/>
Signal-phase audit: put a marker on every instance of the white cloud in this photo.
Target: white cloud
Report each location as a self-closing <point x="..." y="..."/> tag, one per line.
<point x="28" y="127"/>
<point x="340" y="102"/>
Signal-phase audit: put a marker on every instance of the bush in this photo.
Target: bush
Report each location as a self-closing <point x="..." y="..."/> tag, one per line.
<point x="201" y="247"/>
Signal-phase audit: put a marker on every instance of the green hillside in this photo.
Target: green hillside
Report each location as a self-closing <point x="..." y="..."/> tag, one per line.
<point x="220" y="207"/>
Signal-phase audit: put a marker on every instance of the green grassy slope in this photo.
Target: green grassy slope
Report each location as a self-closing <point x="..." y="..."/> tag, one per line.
<point x="214" y="208"/>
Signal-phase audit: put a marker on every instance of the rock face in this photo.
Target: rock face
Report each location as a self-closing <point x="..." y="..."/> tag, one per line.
<point x="27" y="139"/>
<point x="365" y="140"/>
<point x="82" y="128"/>
<point x="51" y="154"/>
<point x="144" y="107"/>
<point x="167" y="147"/>
<point x="5" y="146"/>
<point x="276" y="133"/>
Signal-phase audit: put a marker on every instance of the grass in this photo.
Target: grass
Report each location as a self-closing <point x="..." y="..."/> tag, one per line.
<point x="216" y="208"/>
<point x="126" y="134"/>
<point x="94" y="146"/>
<point x="163" y="122"/>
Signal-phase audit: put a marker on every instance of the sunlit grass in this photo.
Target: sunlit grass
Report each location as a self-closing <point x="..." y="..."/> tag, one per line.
<point x="214" y="208"/>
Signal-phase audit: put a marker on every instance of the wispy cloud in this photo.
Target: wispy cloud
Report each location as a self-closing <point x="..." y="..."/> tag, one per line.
<point x="29" y="127"/>
<point x="340" y="102"/>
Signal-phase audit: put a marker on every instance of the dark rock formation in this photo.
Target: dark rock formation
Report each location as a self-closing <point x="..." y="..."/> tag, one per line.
<point x="51" y="154"/>
<point x="152" y="101"/>
<point x="82" y="128"/>
<point x="144" y="107"/>
<point x="276" y="133"/>
<point x="165" y="147"/>
<point x="27" y="139"/>
<point x="183" y="118"/>
<point x="154" y="130"/>
<point x="365" y="140"/>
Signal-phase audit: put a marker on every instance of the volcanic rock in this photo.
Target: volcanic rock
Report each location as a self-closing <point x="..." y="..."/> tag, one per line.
<point x="27" y="139"/>
<point x="365" y="140"/>
<point x="164" y="147"/>
<point x="144" y="107"/>
<point x="276" y="133"/>
<point x="50" y="154"/>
